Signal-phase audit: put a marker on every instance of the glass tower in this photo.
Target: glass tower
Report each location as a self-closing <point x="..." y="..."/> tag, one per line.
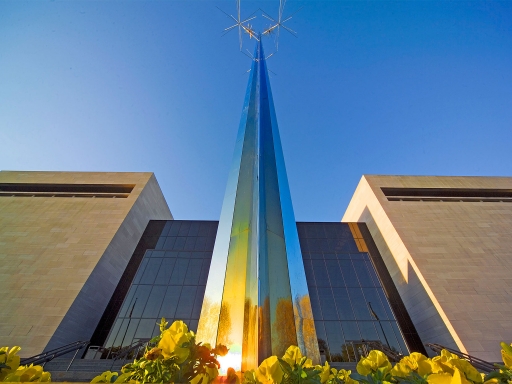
<point x="256" y="300"/>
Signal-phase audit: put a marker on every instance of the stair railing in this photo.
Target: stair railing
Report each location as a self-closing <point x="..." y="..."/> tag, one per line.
<point x="137" y="345"/>
<point x="391" y="354"/>
<point x="361" y="348"/>
<point x="47" y="356"/>
<point x="478" y="363"/>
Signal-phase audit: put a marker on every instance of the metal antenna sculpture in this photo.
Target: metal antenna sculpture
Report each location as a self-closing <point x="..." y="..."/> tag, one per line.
<point x="245" y="27"/>
<point x="279" y="23"/>
<point x="240" y="24"/>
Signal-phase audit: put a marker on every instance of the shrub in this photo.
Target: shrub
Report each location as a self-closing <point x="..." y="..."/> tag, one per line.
<point x="177" y="358"/>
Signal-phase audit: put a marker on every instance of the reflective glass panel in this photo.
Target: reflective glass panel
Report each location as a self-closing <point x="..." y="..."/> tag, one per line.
<point x="343" y="285"/>
<point x="169" y="283"/>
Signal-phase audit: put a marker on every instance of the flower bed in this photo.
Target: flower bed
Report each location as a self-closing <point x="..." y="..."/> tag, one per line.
<point x="175" y="357"/>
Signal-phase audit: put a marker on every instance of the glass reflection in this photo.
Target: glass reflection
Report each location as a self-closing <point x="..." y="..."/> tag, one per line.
<point x="167" y="284"/>
<point x="342" y="283"/>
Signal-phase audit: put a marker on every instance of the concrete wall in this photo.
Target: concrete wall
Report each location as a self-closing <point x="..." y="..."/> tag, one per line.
<point x="451" y="261"/>
<point x="61" y="257"/>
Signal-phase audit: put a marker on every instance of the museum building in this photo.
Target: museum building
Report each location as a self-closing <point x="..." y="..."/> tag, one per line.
<point x="99" y="257"/>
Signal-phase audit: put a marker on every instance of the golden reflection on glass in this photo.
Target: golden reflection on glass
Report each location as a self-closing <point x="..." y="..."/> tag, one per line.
<point x="283" y="328"/>
<point x="250" y="340"/>
<point x="207" y="329"/>
<point x="306" y="332"/>
<point x="264" y="331"/>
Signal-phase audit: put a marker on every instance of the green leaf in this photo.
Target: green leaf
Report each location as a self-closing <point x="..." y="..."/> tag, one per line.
<point x="285" y="366"/>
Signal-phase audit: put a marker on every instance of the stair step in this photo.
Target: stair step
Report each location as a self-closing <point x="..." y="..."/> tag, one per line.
<point x="74" y="376"/>
<point x="84" y="365"/>
<point x="346" y="366"/>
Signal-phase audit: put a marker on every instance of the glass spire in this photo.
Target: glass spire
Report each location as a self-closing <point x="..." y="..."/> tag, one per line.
<point x="256" y="300"/>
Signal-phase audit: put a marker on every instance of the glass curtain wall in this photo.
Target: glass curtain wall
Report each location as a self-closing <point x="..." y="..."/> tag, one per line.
<point x="170" y="282"/>
<point x="344" y="289"/>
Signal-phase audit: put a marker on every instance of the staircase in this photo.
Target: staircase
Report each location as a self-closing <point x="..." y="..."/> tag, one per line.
<point x="64" y="366"/>
<point x="81" y="370"/>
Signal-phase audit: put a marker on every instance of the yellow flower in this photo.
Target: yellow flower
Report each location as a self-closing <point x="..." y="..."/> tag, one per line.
<point x="9" y="358"/>
<point x="105" y="377"/>
<point x="454" y="370"/>
<point x="469" y="371"/>
<point x="458" y="378"/>
<point x="173" y="339"/>
<point x="325" y="372"/>
<point x="293" y="356"/>
<point x="450" y="363"/>
<point x="348" y="379"/>
<point x="439" y="378"/>
<point x="401" y="369"/>
<point x="178" y="327"/>
<point x="269" y="371"/>
<point x="506" y="354"/>
<point x="443" y="362"/>
<point x="376" y="360"/>
<point x="27" y="374"/>
<point x="342" y="375"/>
<point x="415" y="362"/>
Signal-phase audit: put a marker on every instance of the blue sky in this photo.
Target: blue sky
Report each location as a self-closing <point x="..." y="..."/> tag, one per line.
<point x="378" y="87"/>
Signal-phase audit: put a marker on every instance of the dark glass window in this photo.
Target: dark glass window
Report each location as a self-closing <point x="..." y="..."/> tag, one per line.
<point x="170" y="282"/>
<point x="179" y="244"/>
<point x="343" y="304"/>
<point x="186" y="303"/>
<point x="321" y="277"/>
<point x="343" y="284"/>
<point x="327" y="303"/>
<point x="170" y="302"/>
<point x="175" y="228"/>
<point x="335" y="275"/>
<point x="151" y="271"/>
<point x="349" y="273"/>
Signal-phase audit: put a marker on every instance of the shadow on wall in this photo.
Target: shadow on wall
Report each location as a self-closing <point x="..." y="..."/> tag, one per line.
<point x="429" y="324"/>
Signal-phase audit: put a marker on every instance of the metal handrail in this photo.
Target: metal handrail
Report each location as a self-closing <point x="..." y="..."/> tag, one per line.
<point x="480" y="364"/>
<point x="392" y="355"/>
<point x="363" y="348"/>
<point x="137" y="345"/>
<point x="47" y="356"/>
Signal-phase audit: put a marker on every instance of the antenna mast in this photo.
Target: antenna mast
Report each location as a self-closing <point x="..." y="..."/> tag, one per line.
<point x="244" y="26"/>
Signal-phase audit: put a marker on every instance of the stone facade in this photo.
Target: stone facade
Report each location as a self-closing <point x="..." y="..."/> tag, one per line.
<point x="450" y="260"/>
<point x="61" y="257"/>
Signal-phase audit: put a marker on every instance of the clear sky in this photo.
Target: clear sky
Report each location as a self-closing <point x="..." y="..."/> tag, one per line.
<point x="369" y="87"/>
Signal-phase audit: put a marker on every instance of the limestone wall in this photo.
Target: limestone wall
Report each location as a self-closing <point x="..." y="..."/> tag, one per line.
<point x="451" y="261"/>
<point x="61" y="257"/>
